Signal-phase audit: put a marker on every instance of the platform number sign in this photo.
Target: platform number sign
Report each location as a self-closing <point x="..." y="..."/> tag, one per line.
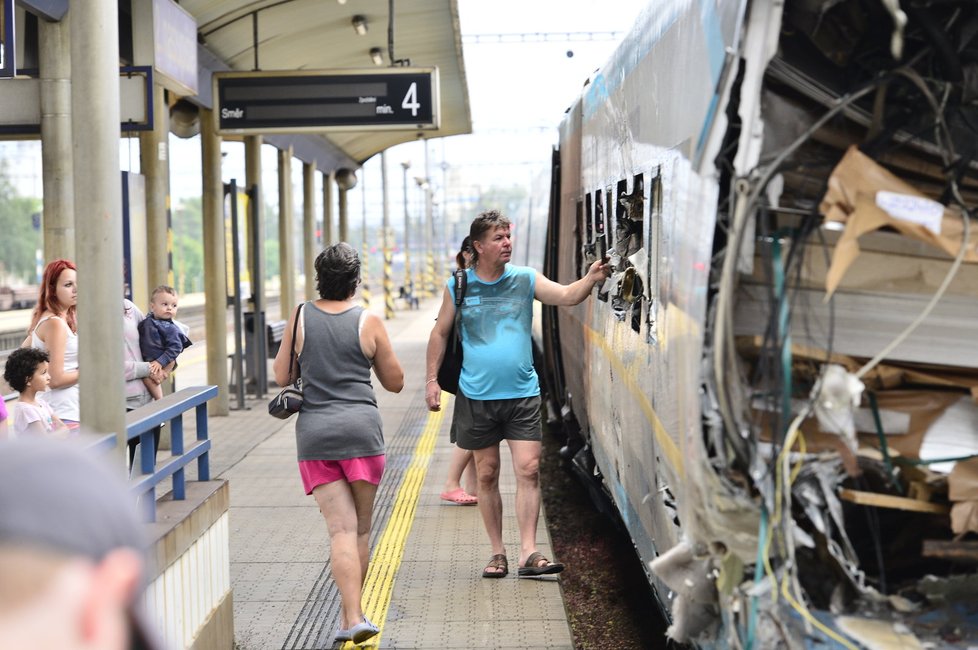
<point x="411" y="100"/>
<point x="304" y="101"/>
<point x="7" y="49"/>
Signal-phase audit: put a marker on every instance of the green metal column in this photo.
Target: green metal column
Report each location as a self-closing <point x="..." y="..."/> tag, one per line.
<point x="59" y="197"/>
<point x="215" y="264"/>
<point x="95" y="144"/>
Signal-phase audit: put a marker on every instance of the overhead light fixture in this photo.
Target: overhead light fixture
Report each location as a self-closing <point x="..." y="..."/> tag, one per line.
<point x="341" y="2"/>
<point x="360" y="25"/>
<point x="377" y="56"/>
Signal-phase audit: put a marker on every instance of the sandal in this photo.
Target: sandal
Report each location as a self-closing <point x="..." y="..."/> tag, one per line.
<point x="497" y="561"/>
<point x="532" y="566"/>
<point x="460" y="497"/>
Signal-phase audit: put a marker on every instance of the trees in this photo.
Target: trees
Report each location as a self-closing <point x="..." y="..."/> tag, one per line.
<point x="19" y="238"/>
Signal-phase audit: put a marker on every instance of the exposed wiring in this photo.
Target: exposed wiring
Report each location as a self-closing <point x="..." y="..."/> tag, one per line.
<point x="747" y="196"/>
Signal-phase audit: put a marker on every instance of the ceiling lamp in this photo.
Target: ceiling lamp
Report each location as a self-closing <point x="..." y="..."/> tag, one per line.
<point x="377" y="56"/>
<point x="360" y="25"/>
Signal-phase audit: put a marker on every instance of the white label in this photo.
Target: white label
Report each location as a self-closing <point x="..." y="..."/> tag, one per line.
<point x="916" y="209"/>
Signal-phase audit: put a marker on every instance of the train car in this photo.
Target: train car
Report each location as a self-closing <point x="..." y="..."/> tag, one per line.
<point x="775" y="388"/>
<point x="23" y="297"/>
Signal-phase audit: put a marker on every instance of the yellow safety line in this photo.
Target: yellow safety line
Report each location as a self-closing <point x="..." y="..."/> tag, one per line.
<point x="390" y="549"/>
<point x="666" y="444"/>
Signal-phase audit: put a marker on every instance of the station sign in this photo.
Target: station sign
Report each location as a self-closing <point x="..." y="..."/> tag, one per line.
<point x="165" y="38"/>
<point x="303" y="101"/>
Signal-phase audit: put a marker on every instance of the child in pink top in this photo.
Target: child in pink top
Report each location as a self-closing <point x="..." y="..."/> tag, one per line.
<point x="27" y="372"/>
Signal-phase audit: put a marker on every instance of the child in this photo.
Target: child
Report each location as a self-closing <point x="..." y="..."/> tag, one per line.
<point x="161" y="339"/>
<point x="27" y="372"/>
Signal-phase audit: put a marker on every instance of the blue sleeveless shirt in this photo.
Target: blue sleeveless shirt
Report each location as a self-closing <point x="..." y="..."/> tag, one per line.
<point x="496" y="319"/>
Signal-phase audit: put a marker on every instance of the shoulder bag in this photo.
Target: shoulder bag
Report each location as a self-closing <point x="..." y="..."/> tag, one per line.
<point x="451" y="363"/>
<point x="289" y="400"/>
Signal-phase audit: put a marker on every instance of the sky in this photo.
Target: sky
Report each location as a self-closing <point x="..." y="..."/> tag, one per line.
<point x="518" y="93"/>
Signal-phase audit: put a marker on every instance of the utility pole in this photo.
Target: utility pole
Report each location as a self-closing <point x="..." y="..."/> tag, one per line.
<point x="408" y="284"/>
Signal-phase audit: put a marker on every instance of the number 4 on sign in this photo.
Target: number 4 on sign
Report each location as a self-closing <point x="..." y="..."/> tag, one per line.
<point x="411" y="99"/>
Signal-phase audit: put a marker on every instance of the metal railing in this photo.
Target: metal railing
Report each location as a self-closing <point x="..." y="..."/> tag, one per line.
<point x="141" y="423"/>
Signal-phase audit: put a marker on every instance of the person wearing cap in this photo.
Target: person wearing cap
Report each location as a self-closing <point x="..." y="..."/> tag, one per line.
<point x="71" y="552"/>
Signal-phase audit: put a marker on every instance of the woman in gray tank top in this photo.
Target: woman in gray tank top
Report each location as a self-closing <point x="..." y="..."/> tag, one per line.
<point x="338" y="432"/>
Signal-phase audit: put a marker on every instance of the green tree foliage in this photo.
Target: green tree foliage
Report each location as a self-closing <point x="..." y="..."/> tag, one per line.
<point x="188" y="246"/>
<point x="19" y="239"/>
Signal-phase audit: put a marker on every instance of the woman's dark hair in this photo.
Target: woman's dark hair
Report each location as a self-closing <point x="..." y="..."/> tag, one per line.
<point x="466" y="247"/>
<point x="21" y="366"/>
<point x="337" y="272"/>
<point x="485" y="222"/>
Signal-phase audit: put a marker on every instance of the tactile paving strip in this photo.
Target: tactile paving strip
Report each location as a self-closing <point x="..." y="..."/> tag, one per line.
<point x="319" y="617"/>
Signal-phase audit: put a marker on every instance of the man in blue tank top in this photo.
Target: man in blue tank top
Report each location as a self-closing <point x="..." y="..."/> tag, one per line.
<point x="499" y="393"/>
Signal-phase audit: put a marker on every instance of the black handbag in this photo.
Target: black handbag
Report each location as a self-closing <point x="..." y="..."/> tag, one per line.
<point x="289" y="399"/>
<point x="451" y="363"/>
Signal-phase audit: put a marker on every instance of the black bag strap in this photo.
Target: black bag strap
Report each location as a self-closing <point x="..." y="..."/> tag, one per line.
<point x="295" y="329"/>
<point x="461" y="279"/>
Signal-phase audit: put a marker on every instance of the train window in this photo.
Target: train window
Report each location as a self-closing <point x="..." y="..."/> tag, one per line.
<point x="652" y="248"/>
<point x="578" y="239"/>
<point x="629" y="224"/>
<point x="609" y="216"/>
<point x="601" y="241"/>
<point x="589" y="228"/>
<point x="619" y="216"/>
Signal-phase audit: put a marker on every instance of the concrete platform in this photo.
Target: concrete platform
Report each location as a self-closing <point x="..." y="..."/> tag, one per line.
<point x="424" y="586"/>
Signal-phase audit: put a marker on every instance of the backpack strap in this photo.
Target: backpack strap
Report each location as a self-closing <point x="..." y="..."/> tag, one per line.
<point x="461" y="279"/>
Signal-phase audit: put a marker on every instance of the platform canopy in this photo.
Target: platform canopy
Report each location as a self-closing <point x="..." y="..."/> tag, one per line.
<point x="329" y="34"/>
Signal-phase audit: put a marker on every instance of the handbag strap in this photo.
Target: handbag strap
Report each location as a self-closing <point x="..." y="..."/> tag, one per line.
<point x="461" y="282"/>
<point x="295" y="329"/>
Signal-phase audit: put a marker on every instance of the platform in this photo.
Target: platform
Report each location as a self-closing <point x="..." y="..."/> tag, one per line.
<point x="424" y="586"/>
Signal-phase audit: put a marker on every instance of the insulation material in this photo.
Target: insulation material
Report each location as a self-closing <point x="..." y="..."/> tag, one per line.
<point x="852" y="198"/>
<point x="879" y="635"/>
<point x="963" y="489"/>
<point x="954" y="434"/>
<point x="964" y="517"/>
<point x="922" y="408"/>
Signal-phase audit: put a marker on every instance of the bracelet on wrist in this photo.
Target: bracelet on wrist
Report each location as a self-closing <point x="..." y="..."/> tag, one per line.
<point x="431" y="380"/>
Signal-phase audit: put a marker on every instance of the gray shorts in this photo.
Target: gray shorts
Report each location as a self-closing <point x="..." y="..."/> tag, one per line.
<point x="478" y="424"/>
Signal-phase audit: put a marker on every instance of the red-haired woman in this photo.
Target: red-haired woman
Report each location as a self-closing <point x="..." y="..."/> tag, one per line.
<point x="54" y="329"/>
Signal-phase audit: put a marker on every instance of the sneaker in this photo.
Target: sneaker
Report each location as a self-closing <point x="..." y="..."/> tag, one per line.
<point x="363" y="630"/>
<point x="342" y="636"/>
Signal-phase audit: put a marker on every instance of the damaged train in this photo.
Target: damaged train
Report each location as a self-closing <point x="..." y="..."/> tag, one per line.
<point x="777" y="386"/>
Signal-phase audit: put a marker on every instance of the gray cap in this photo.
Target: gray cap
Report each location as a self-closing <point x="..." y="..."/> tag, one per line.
<point x="55" y="496"/>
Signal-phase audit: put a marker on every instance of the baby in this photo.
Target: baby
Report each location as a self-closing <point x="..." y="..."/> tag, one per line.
<point x="161" y="338"/>
<point x="27" y="372"/>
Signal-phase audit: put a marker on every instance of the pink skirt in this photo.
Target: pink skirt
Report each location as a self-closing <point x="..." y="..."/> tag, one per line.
<point x="320" y="472"/>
